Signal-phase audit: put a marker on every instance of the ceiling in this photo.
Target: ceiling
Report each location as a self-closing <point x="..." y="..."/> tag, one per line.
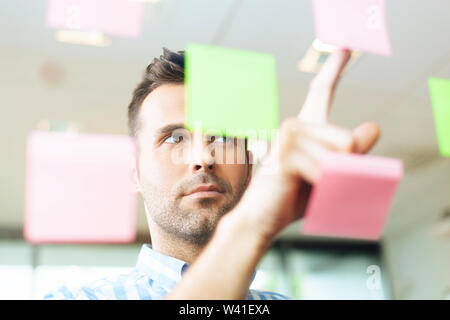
<point x="97" y="82"/>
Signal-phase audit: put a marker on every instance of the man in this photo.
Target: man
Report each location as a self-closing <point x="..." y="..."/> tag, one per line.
<point x="207" y="234"/>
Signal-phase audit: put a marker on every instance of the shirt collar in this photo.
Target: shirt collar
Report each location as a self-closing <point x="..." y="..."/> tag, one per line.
<point x="164" y="269"/>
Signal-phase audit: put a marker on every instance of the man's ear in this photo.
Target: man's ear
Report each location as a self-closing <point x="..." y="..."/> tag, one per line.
<point x="135" y="178"/>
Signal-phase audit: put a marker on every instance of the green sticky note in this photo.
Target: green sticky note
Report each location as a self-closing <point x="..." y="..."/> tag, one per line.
<point x="229" y="91"/>
<point x="440" y="100"/>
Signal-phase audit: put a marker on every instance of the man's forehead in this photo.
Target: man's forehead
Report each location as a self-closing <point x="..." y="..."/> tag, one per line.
<point x="163" y="106"/>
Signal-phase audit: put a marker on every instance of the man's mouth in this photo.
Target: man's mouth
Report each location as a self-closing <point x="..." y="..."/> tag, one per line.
<point x="205" y="191"/>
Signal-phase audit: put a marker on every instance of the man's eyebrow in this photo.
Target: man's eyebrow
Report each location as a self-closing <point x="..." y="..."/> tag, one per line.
<point x="169" y="128"/>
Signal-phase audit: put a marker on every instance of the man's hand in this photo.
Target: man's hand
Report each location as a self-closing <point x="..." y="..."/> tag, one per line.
<point x="274" y="199"/>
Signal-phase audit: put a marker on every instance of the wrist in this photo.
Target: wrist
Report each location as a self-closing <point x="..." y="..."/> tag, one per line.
<point x="240" y="225"/>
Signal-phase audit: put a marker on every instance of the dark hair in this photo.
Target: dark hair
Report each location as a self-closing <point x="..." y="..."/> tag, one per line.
<point x="169" y="68"/>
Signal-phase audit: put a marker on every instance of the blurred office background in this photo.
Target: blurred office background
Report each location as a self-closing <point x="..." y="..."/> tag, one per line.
<point x="88" y="86"/>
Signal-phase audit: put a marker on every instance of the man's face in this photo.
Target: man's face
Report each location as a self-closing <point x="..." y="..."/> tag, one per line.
<point x="173" y="162"/>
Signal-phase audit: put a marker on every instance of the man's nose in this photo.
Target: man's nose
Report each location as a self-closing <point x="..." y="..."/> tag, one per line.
<point x="202" y="159"/>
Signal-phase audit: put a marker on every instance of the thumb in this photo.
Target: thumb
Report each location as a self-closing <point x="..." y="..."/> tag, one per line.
<point x="365" y="136"/>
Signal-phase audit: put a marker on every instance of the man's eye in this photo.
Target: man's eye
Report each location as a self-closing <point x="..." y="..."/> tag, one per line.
<point x="174" y="138"/>
<point x="220" y="139"/>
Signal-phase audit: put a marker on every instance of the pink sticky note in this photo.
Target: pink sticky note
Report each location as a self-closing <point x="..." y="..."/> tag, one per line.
<point x="78" y="188"/>
<point x="353" y="24"/>
<point x="352" y="197"/>
<point x="114" y="17"/>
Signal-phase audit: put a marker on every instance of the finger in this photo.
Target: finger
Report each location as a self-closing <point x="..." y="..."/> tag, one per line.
<point x="334" y="137"/>
<point x="303" y="166"/>
<point x="308" y="151"/>
<point x="365" y="136"/>
<point x="304" y="159"/>
<point x="321" y="91"/>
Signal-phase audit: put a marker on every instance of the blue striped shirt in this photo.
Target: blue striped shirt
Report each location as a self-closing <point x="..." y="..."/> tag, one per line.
<point x="154" y="276"/>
